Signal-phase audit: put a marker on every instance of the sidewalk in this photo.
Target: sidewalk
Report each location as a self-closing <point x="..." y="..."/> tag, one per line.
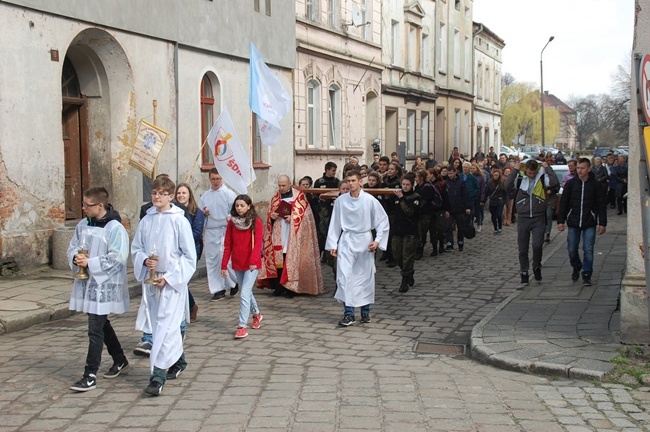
<point x="558" y="327"/>
<point x="43" y="294"/>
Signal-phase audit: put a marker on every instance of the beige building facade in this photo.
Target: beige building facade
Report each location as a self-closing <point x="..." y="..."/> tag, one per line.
<point x="336" y="83"/>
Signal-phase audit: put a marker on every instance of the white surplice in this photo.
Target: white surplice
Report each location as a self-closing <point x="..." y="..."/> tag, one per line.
<point x="350" y="234"/>
<point x="106" y="290"/>
<point x="219" y="202"/>
<point x="169" y="235"/>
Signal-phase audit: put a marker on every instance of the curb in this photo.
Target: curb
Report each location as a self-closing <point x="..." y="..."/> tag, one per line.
<point x="26" y="319"/>
<point x="482" y="353"/>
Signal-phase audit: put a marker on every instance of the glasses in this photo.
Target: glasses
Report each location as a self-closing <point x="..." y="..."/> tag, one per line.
<point x="159" y="194"/>
<point x="86" y="205"/>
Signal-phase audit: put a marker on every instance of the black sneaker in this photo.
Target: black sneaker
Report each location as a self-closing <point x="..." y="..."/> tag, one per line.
<point x="154" y="388"/>
<point x="575" y="275"/>
<point x="116" y="369"/>
<point x="347" y="320"/>
<point x="524" y="279"/>
<point x="460" y="246"/>
<point x="449" y="248"/>
<point x="220" y="295"/>
<point x="538" y="273"/>
<point x="586" y="281"/>
<point x="86" y="383"/>
<point x="234" y="291"/>
<point x="174" y="371"/>
<point x="365" y="318"/>
<point x="142" y="349"/>
<point x="411" y="281"/>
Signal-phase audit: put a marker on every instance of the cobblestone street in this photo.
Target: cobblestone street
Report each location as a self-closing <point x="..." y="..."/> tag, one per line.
<point x="301" y="372"/>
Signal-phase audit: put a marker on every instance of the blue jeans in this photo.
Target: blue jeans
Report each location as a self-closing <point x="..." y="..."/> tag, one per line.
<point x="349" y="310"/>
<point x="247" y="304"/>
<point x="479" y="212"/>
<point x="588" y="241"/>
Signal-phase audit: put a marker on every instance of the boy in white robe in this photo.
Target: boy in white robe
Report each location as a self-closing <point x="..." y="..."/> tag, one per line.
<point x="105" y="246"/>
<point x="216" y="204"/>
<point x="349" y="239"/>
<point x="164" y="243"/>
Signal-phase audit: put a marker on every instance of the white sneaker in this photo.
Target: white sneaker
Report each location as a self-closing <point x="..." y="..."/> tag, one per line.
<point x="478" y="228"/>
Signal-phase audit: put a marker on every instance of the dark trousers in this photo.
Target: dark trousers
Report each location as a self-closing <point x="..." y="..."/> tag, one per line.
<point x="460" y="219"/>
<point x="497" y="216"/>
<point x="527" y="227"/>
<point x="100" y="332"/>
<point x="404" y="252"/>
<point x="160" y="375"/>
<point x="437" y="226"/>
<point x="611" y="196"/>
<point x="389" y="249"/>
<point x="620" y="200"/>
<point x="423" y="227"/>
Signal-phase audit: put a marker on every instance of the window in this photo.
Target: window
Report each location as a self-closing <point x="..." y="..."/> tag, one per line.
<point x="207" y="117"/>
<point x="313" y="114"/>
<point x="488" y="84"/>
<point x="467" y="13"/>
<point x="333" y="13"/>
<point x="334" y="111"/>
<point x="456" y="53"/>
<point x="479" y="137"/>
<point x="312" y="10"/>
<point x="456" y="127"/>
<point x="468" y="59"/>
<point x="256" y="5"/>
<point x="257" y="141"/>
<point x="497" y="87"/>
<point x="443" y="48"/>
<point x="457" y="4"/>
<point x="467" y="130"/>
<point x="395" y="41"/>
<point x="366" y="11"/>
<point x="268" y="7"/>
<point x="413" y="49"/>
<point x="479" y="80"/>
<point x="410" y="133"/>
<point x="425" y="56"/>
<point x="487" y="138"/>
<point x="424" y="133"/>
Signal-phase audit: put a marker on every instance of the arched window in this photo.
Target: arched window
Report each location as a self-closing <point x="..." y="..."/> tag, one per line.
<point x="313" y="114"/>
<point x="207" y="117"/>
<point x="334" y="114"/>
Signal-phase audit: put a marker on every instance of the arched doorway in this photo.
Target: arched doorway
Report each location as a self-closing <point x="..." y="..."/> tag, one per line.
<point x="74" y="124"/>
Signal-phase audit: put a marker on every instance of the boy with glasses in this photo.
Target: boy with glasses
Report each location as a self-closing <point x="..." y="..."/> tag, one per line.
<point x="101" y="246"/>
<point x="163" y="247"/>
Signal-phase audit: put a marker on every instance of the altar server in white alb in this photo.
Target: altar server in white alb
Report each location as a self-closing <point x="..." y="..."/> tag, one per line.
<point x="349" y="238"/>
<point x="101" y="246"/>
<point x="216" y="204"/>
<point x="164" y="243"/>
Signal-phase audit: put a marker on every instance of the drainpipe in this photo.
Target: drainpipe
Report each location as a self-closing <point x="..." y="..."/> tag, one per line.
<point x="176" y="103"/>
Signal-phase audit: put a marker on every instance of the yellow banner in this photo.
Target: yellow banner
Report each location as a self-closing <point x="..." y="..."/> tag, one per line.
<point x="147" y="146"/>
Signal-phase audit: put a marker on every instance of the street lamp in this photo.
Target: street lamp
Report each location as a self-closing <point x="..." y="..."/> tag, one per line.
<point x="541" y="93"/>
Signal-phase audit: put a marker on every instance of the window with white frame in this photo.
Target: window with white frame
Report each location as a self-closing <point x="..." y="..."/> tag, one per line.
<point x="334" y="114"/>
<point x="488" y="84"/>
<point x="312" y="10"/>
<point x="395" y="42"/>
<point x="468" y="59"/>
<point x="313" y="114"/>
<point x="414" y="52"/>
<point x="443" y="48"/>
<point x="466" y="129"/>
<point x="424" y="133"/>
<point x="457" y="4"/>
<point x="425" y="55"/>
<point x="479" y="80"/>
<point x="456" y="127"/>
<point x="333" y="13"/>
<point x="456" y="53"/>
<point x="497" y="87"/>
<point x="366" y="15"/>
<point x="410" y="133"/>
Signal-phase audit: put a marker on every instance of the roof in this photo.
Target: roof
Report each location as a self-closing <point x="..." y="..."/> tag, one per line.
<point x="555" y="102"/>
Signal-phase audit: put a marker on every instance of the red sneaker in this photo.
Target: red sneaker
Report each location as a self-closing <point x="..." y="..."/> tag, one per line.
<point x="257" y="319"/>
<point x="241" y="333"/>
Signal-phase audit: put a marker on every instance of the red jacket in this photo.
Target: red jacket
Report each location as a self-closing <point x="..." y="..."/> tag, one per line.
<point x="237" y="246"/>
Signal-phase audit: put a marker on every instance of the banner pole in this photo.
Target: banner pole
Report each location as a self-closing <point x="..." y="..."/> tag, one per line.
<point x="189" y="176"/>
<point x="155" y="122"/>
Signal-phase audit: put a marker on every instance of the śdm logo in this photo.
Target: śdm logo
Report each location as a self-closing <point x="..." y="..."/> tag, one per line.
<point x="222" y="150"/>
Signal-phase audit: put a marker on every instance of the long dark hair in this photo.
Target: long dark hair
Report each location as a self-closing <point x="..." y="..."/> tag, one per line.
<point x="251" y="214"/>
<point x="192" y="206"/>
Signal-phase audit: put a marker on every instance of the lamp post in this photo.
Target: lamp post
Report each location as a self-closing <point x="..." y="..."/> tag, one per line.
<point x="541" y="93"/>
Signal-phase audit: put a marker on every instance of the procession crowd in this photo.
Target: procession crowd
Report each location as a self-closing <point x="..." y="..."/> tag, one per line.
<point x="340" y="222"/>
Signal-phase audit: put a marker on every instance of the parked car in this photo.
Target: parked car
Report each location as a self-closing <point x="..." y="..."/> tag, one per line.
<point x="509" y="151"/>
<point x="602" y="151"/>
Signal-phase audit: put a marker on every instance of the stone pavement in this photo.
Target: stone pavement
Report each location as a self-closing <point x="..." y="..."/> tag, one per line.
<point x="558" y="327"/>
<point x="301" y="372"/>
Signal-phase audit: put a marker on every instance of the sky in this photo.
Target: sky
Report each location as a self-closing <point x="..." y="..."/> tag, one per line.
<point x="592" y="37"/>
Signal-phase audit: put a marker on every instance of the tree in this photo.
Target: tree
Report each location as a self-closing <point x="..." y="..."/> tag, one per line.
<point x="588" y="117"/>
<point x="522" y="114"/>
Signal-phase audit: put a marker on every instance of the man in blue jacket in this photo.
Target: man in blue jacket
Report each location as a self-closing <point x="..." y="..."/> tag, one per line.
<point x="583" y="207"/>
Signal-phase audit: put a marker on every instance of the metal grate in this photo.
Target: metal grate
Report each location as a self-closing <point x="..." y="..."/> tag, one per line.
<point x="439" y="348"/>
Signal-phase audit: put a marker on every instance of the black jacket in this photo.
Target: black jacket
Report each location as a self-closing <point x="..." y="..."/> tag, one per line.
<point x="496" y="193"/>
<point x="390" y="183"/>
<point x="407" y="214"/>
<point x="110" y="215"/>
<point x="425" y="190"/>
<point x="458" y="196"/>
<point x="583" y="203"/>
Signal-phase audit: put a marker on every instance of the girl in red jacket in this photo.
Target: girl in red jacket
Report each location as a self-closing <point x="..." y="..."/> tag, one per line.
<point x="243" y="244"/>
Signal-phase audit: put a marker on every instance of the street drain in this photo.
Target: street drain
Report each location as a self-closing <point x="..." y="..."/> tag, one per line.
<point x="439" y="348"/>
